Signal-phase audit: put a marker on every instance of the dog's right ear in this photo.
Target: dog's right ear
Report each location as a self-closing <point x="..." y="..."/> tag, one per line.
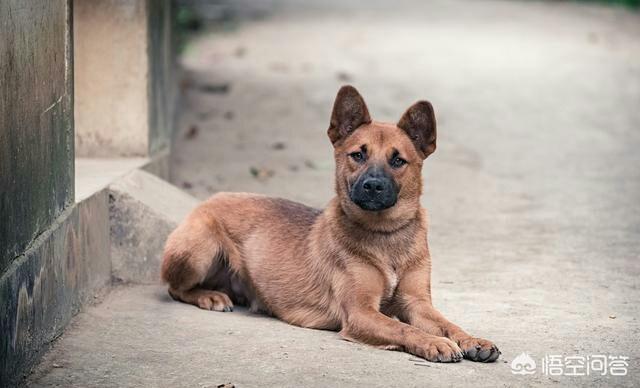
<point x="349" y="112"/>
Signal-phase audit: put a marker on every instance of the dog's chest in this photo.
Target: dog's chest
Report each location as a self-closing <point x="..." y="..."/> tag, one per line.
<point x="391" y="280"/>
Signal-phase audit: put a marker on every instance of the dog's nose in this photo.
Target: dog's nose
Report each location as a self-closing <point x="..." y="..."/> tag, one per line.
<point x="373" y="185"/>
<point x="374" y="190"/>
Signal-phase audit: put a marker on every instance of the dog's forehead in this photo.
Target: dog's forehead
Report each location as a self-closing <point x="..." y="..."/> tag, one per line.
<point x="380" y="135"/>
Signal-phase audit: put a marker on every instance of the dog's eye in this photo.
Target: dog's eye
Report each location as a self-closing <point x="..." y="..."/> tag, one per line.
<point x="397" y="162"/>
<point x="357" y="156"/>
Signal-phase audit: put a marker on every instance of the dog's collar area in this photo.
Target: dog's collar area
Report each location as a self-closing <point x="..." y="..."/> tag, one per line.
<point x="353" y="224"/>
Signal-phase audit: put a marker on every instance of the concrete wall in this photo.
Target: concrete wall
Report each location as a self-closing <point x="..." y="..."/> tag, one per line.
<point x="56" y="255"/>
<point x="140" y="222"/>
<point x="123" y="67"/>
<point x="43" y="260"/>
<point x="110" y="39"/>
<point x="124" y="100"/>
<point x="65" y="269"/>
<point x="36" y="121"/>
<point x="162" y="88"/>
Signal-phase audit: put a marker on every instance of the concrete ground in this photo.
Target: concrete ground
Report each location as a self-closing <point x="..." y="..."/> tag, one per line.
<point x="533" y="192"/>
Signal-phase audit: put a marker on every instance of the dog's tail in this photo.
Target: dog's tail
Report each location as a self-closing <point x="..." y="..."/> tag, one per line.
<point x="190" y="252"/>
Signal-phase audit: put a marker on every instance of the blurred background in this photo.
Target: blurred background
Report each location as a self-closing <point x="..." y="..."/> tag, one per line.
<point x="536" y="173"/>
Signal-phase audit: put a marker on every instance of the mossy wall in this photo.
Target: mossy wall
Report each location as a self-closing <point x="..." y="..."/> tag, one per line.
<point x="36" y="121"/>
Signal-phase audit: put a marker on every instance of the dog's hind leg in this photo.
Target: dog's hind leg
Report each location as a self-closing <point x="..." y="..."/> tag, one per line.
<point x="195" y="252"/>
<point x="205" y="299"/>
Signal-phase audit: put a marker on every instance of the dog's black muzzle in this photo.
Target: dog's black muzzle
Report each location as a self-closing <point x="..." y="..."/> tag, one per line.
<point x="374" y="190"/>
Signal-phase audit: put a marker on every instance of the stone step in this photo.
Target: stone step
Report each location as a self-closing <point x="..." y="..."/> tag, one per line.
<point x="143" y="210"/>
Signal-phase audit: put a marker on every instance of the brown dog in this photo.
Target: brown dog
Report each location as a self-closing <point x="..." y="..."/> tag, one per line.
<point x="352" y="267"/>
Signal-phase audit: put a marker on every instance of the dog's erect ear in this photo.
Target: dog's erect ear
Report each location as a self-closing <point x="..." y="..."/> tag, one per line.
<point x="349" y="112"/>
<point x="419" y="122"/>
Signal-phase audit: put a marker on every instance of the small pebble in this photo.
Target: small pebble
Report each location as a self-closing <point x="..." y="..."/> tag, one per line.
<point x="191" y="132"/>
<point x="279" y="145"/>
<point x="240" y="52"/>
<point x="344" y="76"/>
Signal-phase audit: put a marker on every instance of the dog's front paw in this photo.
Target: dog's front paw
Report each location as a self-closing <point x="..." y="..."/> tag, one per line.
<point x="441" y="349"/>
<point x="478" y="349"/>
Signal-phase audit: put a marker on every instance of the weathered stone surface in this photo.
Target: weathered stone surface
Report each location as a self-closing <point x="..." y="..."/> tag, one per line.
<point x="71" y="262"/>
<point x="111" y="69"/>
<point x="144" y="209"/>
<point x="123" y="77"/>
<point x="62" y="271"/>
<point x="93" y="174"/>
<point x="36" y="121"/>
<point x="54" y="254"/>
<point x="160" y="164"/>
<point x="162" y="79"/>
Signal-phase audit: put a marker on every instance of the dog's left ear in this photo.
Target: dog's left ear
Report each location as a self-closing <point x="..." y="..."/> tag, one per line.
<point x="349" y="112"/>
<point x="419" y="122"/>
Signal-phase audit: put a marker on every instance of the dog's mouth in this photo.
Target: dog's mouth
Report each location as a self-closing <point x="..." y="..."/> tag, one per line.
<point x="373" y="205"/>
